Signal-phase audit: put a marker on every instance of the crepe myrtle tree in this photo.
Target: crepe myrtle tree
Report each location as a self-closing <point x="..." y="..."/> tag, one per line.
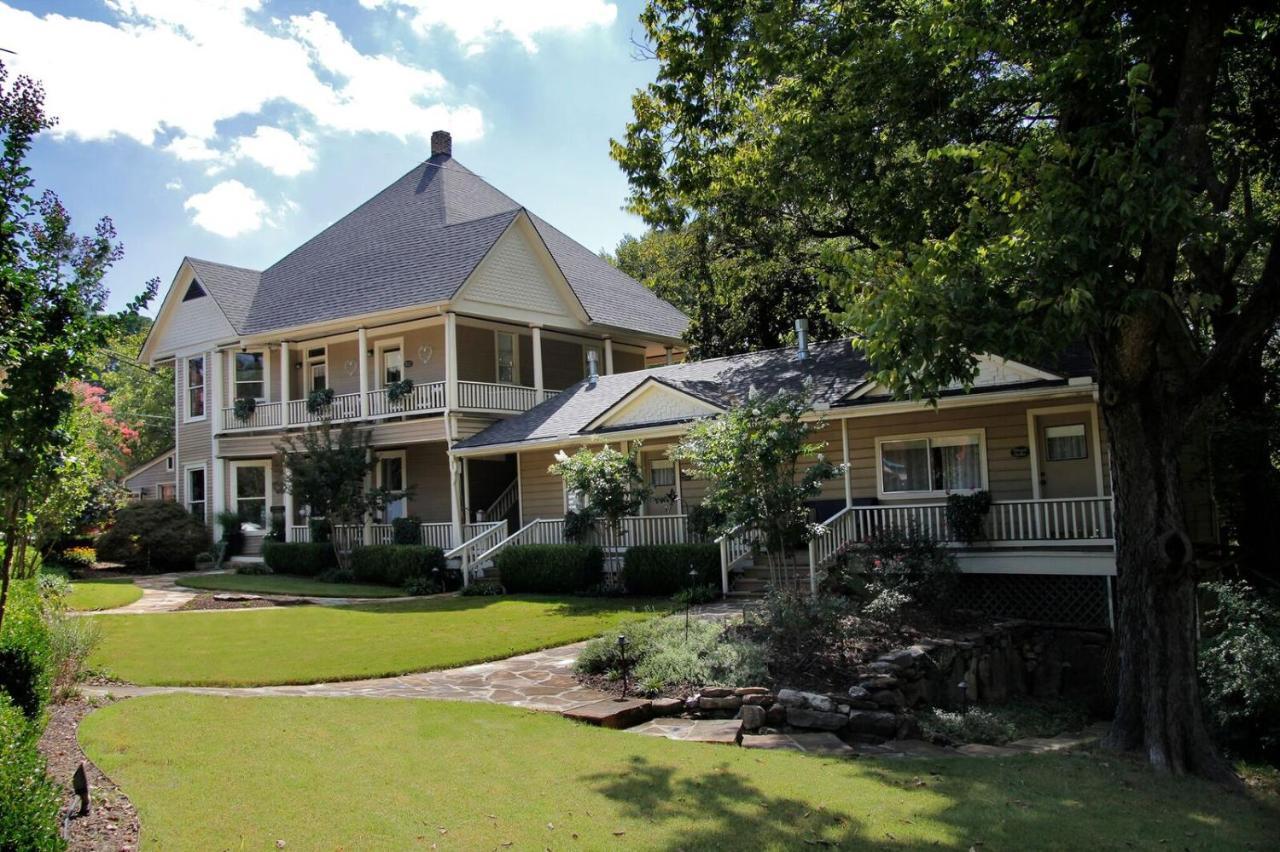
<point x="608" y="482"/>
<point x="327" y="470"/>
<point x="751" y="458"/>
<point x="996" y="176"/>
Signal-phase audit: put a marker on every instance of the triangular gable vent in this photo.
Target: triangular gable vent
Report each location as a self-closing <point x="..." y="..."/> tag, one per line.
<point x="194" y="291"/>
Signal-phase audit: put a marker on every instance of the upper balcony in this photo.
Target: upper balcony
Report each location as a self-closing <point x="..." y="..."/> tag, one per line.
<point x="415" y="369"/>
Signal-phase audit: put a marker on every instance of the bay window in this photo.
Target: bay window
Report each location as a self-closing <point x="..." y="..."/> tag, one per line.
<point x="932" y="464"/>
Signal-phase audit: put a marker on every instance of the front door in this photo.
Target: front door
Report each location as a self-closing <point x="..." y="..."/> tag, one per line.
<point x="1066" y="454"/>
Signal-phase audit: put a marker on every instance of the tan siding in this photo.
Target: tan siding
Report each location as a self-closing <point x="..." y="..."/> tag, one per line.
<point x="476" y="357"/>
<point x="408" y="431"/>
<point x="193" y="439"/>
<point x="193" y="323"/>
<point x="427" y="471"/>
<point x="339" y="354"/>
<point x="147" y="480"/>
<point x="541" y="492"/>
<point x="249" y="446"/>
<point x="562" y="363"/>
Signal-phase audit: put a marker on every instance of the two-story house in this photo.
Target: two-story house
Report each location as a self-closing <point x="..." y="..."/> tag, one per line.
<point x="439" y="279"/>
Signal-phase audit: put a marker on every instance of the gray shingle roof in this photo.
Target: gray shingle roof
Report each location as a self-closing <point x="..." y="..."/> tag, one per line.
<point x="232" y="287"/>
<point x="832" y="372"/>
<point x="416" y="242"/>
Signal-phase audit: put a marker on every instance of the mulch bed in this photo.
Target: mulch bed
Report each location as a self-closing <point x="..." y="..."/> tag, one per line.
<point x="112" y="822"/>
<point x="211" y="601"/>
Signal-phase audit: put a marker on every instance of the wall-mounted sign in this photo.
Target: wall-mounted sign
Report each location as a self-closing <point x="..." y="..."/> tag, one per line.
<point x="1019" y="452"/>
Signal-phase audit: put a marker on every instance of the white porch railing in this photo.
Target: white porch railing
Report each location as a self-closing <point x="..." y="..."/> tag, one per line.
<point x="487" y="396"/>
<point x="549" y="394"/>
<point x="344" y="407"/>
<point x="265" y="415"/>
<point x="503" y="503"/>
<point x="735" y="545"/>
<point x="480" y="538"/>
<point x="437" y="535"/>
<point x="421" y="399"/>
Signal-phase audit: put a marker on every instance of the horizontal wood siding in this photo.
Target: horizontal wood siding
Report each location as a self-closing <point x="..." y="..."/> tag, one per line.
<point x="541" y="492"/>
<point x="427" y="471"/>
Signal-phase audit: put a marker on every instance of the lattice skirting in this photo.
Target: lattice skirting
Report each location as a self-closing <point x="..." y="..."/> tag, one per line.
<point x="1080" y="600"/>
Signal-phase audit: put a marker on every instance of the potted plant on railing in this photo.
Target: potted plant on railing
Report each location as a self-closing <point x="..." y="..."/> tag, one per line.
<point x="319" y="400"/>
<point x="244" y="408"/>
<point x="966" y="513"/>
<point x="397" y="392"/>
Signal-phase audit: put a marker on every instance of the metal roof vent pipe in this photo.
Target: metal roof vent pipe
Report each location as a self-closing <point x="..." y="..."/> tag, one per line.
<point x="593" y="371"/>
<point x="802" y="340"/>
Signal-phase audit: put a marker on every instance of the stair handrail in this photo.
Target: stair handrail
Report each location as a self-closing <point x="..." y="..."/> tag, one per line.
<point x="503" y="502"/>
<point x="465" y="550"/>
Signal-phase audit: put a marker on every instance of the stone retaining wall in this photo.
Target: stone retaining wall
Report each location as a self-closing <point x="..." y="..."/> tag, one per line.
<point x="1007" y="661"/>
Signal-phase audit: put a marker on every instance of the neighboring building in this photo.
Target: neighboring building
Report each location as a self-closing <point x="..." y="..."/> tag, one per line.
<point x="440" y="280"/>
<point x="154" y="480"/>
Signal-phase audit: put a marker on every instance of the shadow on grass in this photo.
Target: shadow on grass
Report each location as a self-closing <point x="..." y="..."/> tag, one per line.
<point x="564" y="605"/>
<point x="727" y="809"/>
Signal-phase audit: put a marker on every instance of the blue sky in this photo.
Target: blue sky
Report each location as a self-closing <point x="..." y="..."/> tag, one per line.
<point x="233" y="130"/>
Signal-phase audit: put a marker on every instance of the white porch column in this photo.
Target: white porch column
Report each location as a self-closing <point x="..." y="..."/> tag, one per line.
<point x="217" y="465"/>
<point x="455" y="500"/>
<point x="468" y="511"/>
<point x="669" y="360"/>
<point x="288" y="513"/>
<point x="284" y="383"/>
<point x="362" y="338"/>
<point x="608" y="356"/>
<point x="451" y="362"/>
<point x="537" y="361"/>
<point x="848" y="468"/>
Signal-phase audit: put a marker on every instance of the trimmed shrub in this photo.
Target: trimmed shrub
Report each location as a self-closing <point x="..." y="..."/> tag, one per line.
<point x="29" y="813"/>
<point x="321" y="530"/>
<point x="26" y="657"/>
<point x="663" y="569"/>
<point x="397" y="564"/>
<point x="406" y="531"/>
<point x="482" y="589"/>
<point x="301" y="558"/>
<point x="557" y="568"/>
<point x="154" y="536"/>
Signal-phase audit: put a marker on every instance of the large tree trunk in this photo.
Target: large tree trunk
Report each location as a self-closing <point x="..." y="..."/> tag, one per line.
<point x="1158" y="710"/>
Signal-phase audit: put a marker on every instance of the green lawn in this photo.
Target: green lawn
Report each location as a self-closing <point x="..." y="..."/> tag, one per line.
<point x="314" y="643"/>
<point x="209" y="772"/>
<point x="284" y="584"/>
<point x="102" y="594"/>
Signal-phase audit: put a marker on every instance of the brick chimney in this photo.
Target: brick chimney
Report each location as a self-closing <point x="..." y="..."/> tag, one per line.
<point x="441" y="143"/>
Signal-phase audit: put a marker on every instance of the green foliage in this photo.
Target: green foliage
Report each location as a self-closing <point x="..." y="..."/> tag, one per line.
<point x="705" y="521"/>
<point x="25" y="566"/>
<point x="154" y="537"/>
<point x="71" y="641"/>
<point x="80" y="558"/>
<point x="140" y="395"/>
<point x="301" y="558"/>
<point x="244" y="407"/>
<point x="321" y="530"/>
<point x="750" y="457"/>
<point x="29" y="817"/>
<point x="1003" y="723"/>
<point x="660" y="658"/>
<point x="26" y="656"/>
<point x="397" y="564"/>
<point x="893" y="569"/>
<point x="579" y="526"/>
<point x="663" y="569"/>
<point x="798" y="628"/>
<point x="608" y="481"/>
<point x="406" y="530"/>
<point x="1240" y="669"/>
<point x="483" y="589"/>
<point x="696" y="595"/>
<point x="966" y="514"/>
<point x="563" y="568"/>
<point x="319" y="399"/>
<point x="397" y="391"/>
<point x="254" y="568"/>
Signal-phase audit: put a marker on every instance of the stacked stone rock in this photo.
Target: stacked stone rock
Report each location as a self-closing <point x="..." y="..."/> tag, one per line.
<point x="1005" y="661"/>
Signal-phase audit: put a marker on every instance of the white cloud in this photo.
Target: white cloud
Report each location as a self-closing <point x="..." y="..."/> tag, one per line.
<point x="475" y="23"/>
<point x="173" y="184"/>
<point x="229" y="209"/>
<point x="278" y="150"/>
<point x="167" y="71"/>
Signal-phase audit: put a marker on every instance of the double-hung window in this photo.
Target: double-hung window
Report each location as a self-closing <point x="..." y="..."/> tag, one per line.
<point x="505" y="344"/>
<point x="936" y="464"/>
<point x="195" y="388"/>
<point x="196" y="492"/>
<point x="251" y="376"/>
<point x="317" y="370"/>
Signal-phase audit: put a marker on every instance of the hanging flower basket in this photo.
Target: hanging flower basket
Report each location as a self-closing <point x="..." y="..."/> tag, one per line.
<point x="319" y="399"/>
<point x="244" y="408"/>
<point x="397" y="391"/>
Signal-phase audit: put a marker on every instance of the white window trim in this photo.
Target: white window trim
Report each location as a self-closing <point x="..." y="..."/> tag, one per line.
<point x="380" y="373"/>
<point x="309" y="363"/>
<point x="168" y="463"/>
<point x="187" y="387"/>
<point x="515" y="357"/>
<point x="404" y="472"/>
<point x="266" y="373"/>
<point x="186" y="487"/>
<point x="980" y="434"/>
<point x="234" y="502"/>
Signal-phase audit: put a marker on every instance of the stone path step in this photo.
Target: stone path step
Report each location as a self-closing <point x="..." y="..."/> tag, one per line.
<point x="613" y="713"/>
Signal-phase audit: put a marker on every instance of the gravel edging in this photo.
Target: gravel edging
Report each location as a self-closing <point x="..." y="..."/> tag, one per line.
<point x="112" y="823"/>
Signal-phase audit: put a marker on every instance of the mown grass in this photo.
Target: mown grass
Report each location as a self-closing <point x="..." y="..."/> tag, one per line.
<point x="88" y="595"/>
<point x="319" y="643"/>
<point x="284" y="584"/>
<point x="209" y="772"/>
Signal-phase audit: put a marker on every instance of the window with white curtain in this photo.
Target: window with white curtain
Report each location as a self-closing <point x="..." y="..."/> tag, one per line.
<point x="1064" y="443"/>
<point x="937" y="463"/>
